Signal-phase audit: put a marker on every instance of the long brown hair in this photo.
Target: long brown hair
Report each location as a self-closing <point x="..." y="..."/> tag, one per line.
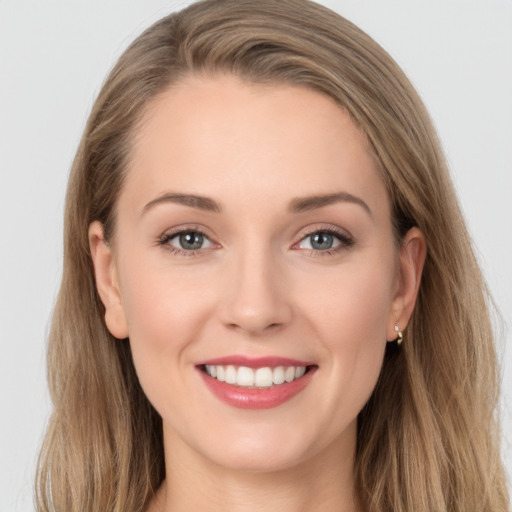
<point x="427" y="439"/>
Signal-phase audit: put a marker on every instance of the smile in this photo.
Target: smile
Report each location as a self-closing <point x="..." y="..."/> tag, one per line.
<point x="251" y="378"/>
<point x="261" y="383"/>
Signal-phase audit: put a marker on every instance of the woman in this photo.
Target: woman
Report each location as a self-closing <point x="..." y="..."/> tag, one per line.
<point x="269" y="313"/>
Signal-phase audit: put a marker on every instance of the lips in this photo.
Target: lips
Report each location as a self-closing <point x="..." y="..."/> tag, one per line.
<point x="260" y="383"/>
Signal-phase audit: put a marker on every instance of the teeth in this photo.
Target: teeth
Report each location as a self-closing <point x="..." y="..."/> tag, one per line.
<point x="245" y="376"/>
<point x="278" y="377"/>
<point x="263" y="378"/>
<point x="260" y="378"/>
<point x="289" y="374"/>
<point x="230" y="375"/>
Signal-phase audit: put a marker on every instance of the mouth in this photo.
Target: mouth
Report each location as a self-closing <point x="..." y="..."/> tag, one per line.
<point x="261" y="383"/>
<point x="255" y="378"/>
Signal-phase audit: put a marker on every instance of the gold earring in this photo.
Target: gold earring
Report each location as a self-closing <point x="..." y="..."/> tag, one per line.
<point x="399" y="334"/>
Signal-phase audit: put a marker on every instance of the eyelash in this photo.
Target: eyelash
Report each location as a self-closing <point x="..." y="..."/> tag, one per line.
<point x="164" y="240"/>
<point x="346" y="241"/>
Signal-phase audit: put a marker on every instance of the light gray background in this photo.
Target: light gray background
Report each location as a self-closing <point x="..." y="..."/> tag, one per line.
<point x="53" y="59"/>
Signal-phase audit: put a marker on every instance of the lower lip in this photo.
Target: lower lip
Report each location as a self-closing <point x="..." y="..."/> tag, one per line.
<point x="262" y="398"/>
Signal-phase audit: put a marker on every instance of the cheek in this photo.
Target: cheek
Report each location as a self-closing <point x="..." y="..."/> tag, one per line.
<point x="150" y="310"/>
<point x="350" y="321"/>
<point x="164" y="318"/>
<point x="353" y="305"/>
<point x="165" y="313"/>
<point x="162" y="302"/>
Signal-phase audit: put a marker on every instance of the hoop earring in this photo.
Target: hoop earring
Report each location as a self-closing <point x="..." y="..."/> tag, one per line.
<point x="399" y="334"/>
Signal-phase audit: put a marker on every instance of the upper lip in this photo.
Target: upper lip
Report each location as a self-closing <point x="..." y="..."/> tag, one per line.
<point x="254" y="362"/>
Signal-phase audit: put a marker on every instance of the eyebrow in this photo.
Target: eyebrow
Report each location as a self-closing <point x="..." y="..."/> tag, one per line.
<point x="304" y="204"/>
<point x="297" y="205"/>
<point x="199" y="202"/>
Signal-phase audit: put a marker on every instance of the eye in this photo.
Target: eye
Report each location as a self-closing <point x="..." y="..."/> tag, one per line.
<point x="186" y="241"/>
<point x="320" y="241"/>
<point x="325" y="240"/>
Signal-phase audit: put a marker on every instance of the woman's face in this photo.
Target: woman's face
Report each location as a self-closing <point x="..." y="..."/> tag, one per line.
<point x="253" y="244"/>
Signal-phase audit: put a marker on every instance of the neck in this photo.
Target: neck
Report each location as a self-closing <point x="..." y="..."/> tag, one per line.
<point x="324" y="483"/>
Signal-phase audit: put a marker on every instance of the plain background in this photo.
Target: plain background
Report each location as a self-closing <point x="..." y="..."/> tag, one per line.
<point x="53" y="59"/>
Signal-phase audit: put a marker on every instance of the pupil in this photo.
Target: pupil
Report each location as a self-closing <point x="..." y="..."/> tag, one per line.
<point x="321" y="241"/>
<point x="191" y="241"/>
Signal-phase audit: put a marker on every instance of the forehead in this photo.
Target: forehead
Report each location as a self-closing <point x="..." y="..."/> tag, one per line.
<point x="221" y="136"/>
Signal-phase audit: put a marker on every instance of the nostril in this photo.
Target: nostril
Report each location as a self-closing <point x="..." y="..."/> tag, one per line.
<point x="255" y="328"/>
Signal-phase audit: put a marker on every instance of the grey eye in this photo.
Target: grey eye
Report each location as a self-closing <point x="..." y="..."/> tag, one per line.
<point x="189" y="241"/>
<point x="320" y="241"/>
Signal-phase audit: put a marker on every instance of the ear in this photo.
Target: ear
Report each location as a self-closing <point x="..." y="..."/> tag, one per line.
<point x="105" y="272"/>
<point x="411" y="261"/>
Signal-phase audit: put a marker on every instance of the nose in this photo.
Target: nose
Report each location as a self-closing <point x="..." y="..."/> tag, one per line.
<point x="257" y="300"/>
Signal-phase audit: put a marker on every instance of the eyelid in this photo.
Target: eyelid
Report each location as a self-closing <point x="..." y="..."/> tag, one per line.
<point x="304" y="242"/>
<point x="345" y="238"/>
<point x="180" y="233"/>
<point x="170" y="233"/>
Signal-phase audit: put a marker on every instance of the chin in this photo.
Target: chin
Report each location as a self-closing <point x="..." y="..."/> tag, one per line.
<point x="266" y="460"/>
<point x="270" y="448"/>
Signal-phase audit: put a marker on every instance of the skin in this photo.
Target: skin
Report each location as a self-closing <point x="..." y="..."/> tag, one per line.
<point x="256" y="287"/>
